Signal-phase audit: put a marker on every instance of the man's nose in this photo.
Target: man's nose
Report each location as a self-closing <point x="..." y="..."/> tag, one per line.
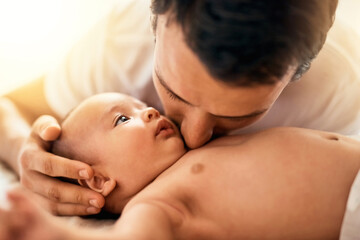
<point x="150" y="113"/>
<point x="197" y="129"/>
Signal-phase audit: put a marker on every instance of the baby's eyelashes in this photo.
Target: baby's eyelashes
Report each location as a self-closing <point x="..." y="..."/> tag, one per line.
<point x="120" y="119"/>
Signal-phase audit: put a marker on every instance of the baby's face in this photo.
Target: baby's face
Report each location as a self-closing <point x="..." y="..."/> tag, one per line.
<point x="124" y="140"/>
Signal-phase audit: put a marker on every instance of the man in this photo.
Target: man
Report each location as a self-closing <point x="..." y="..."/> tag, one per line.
<point x="218" y="66"/>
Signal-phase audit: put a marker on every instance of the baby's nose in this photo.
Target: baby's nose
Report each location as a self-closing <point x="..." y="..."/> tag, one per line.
<point x="150" y="113"/>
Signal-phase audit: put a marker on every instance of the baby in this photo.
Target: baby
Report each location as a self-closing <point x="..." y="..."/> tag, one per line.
<point x="282" y="183"/>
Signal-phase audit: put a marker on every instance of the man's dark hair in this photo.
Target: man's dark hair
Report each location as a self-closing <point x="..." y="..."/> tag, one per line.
<point x="247" y="42"/>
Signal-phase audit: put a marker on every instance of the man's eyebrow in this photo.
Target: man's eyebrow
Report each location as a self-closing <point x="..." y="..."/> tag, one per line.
<point x="246" y="116"/>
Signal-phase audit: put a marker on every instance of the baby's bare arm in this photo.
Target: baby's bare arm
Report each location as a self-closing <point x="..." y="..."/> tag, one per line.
<point x="145" y="220"/>
<point x="27" y="221"/>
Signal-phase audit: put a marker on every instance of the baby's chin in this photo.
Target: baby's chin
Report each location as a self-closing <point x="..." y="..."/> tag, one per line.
<point x="179" y="149"/>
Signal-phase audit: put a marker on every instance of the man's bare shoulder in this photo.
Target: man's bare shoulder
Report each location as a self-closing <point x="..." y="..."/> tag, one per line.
<point x="278" y="135"/>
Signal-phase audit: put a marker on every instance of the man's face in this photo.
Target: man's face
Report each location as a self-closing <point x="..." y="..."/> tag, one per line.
<point x="124" y="140"/>
<point x="200" y="104"/>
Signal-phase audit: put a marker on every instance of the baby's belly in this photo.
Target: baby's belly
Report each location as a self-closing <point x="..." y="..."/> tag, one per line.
<point x="261" y="187"/>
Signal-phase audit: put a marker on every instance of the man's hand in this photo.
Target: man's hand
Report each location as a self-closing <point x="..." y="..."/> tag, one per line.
<point x="38" y="168"/>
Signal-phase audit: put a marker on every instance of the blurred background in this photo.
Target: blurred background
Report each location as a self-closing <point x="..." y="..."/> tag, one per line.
<point x="36" y="34"/>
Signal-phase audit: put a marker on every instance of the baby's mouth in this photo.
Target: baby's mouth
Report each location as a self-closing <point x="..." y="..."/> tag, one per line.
<point x="164" y="128"/>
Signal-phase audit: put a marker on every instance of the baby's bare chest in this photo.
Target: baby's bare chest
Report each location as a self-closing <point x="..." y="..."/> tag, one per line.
<point x="206" y="189"/>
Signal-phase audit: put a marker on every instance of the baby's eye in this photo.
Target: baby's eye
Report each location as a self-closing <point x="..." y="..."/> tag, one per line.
<point x="121" y="119"/>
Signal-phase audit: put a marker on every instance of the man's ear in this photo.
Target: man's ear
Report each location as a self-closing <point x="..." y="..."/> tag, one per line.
<point x="99" y="183"/>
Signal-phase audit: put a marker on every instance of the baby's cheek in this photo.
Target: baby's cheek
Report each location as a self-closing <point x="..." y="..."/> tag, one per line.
<point x="138" y="145"/>
<point x="136" y="148"/>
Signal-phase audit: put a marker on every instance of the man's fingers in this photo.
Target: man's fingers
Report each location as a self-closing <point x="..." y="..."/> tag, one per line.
<point x="56" y="166"/>
<point x="47" y="127"/>
<point x="51" y="133"/>
<point x="62" y="192"/>
<point x="39" y="166"/>
<point x="66" y="209"/>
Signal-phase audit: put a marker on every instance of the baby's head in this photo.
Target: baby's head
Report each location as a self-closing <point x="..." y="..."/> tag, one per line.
<point x="125" y="142"/>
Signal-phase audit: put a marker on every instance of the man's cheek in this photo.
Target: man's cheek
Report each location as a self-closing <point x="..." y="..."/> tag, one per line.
<point x="175" y="114"/>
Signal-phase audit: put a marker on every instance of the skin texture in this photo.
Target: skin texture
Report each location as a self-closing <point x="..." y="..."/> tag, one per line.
<point x="227" y="189"/>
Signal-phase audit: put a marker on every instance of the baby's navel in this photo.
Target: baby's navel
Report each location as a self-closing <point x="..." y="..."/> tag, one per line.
<point x="197" y="168"/>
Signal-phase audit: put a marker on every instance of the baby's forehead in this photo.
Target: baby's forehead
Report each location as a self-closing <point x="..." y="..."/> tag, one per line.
<point x="115" y="99"/>
<point x="119" y="103"/>
<point x="101" y="105"/>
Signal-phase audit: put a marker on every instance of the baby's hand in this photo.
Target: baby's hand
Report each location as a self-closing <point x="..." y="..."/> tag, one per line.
<point x="25" y="220"/>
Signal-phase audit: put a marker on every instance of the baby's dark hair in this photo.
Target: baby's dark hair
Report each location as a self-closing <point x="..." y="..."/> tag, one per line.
<point x="249" y="42"/>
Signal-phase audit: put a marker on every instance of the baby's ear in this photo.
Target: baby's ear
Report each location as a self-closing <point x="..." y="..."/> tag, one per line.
<point x="99" y="183"/>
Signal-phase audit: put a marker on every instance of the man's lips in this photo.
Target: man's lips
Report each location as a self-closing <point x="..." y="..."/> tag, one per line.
<point x="165" y="128"/>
